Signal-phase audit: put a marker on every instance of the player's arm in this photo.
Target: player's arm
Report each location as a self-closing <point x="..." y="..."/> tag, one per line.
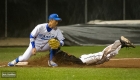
<point x="61" y="42"/>
<point x="61" y="38"/>
<point x="32" y="41"/>
<point x="32" y="38"/>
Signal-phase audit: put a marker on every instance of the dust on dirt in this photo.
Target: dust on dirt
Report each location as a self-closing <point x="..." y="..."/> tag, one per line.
<point x="113" y="63"/>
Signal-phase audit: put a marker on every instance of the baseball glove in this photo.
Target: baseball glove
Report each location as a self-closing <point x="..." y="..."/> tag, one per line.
<point x="54" y="43"/>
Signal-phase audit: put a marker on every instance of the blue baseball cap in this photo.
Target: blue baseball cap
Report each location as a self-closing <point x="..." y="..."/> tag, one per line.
<point x="54" y="17"/>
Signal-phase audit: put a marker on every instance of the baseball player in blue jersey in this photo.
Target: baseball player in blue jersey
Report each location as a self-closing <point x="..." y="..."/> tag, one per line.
<point x="39" y="38"/>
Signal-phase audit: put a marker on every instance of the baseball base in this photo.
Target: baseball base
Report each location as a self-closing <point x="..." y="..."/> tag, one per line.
<point x="22" y="63"/>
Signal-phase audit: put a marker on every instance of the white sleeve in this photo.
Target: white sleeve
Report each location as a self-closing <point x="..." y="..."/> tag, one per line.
<point x="60" y="37"/>
<point x="35" y="31"/>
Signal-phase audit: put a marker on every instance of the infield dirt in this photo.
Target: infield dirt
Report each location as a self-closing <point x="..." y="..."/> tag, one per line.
<point x="113" y="63"/>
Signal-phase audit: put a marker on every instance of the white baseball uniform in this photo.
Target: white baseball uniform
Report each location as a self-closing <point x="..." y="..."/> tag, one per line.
<point x="95" y="57"/>
<point x="39" y="38"/>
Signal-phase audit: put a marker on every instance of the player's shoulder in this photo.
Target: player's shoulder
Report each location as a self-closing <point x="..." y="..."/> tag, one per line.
<point x="43" y="24"/>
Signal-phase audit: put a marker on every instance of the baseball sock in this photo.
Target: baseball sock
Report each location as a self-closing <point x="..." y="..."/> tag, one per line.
<point x="51" y="54"/>
<point x="17" y="60"/>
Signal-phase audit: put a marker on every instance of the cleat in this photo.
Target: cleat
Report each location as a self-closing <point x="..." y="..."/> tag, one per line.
<point x="51" y="63"/>
<point x="12" y="63"/>
<point x="124" y="39"/>
<point x="125" y="42"/>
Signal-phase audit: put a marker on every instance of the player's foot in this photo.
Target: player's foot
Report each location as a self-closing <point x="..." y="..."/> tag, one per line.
<point x="125" y="42"/>
<point x="51" y="63"/>
<point x="12" y="63"/>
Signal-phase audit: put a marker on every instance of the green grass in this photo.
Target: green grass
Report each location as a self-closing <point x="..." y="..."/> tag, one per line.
<point x="123" y="53"/>
<point x="69" y="73"/>
<point x="63" y="73"/>
<point x="6" y="54"/>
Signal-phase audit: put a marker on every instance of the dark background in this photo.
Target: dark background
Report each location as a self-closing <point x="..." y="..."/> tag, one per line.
<point x="24" y="15"/>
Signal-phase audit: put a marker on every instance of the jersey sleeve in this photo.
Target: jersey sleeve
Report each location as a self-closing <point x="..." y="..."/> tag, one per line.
<point x="60" y="37"/>
<point x="33" y="35"/>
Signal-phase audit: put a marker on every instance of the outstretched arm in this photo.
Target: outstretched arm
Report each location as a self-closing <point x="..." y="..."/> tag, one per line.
<point x="33" y="35"/>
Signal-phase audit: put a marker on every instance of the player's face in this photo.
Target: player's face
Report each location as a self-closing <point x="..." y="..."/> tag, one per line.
<point x="53" y="23"/>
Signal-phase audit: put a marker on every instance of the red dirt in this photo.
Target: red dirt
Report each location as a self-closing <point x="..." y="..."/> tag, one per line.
<point x="113" y="63"/>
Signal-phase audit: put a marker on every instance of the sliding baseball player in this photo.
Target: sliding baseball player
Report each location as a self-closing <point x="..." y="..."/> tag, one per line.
<point x="95" y="58"/>
<point x="109" y="52"/>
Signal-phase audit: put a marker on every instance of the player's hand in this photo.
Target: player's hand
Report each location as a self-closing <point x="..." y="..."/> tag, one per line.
<point x="34" y="51"/>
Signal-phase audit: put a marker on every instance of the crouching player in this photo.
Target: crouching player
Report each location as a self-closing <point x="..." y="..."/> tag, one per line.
<point x="42" y="39"/>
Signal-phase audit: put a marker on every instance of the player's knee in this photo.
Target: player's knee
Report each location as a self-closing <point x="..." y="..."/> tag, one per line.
<point x="117" y="41"/>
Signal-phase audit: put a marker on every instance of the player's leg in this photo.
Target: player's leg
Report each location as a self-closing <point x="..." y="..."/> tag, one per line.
<point x="91" y="58"/>
<point x="23" y="57"/>
<point x="108" y="52"/>
<point x="96" y="57"/>
<point x="113" y="49"/>
<point x="51" y="54"/>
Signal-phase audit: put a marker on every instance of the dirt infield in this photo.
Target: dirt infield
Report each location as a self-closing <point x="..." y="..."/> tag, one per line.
<point x="113" y="63"/>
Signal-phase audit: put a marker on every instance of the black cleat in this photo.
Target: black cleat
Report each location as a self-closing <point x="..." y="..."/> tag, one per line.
<point x="125" y="42"/>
